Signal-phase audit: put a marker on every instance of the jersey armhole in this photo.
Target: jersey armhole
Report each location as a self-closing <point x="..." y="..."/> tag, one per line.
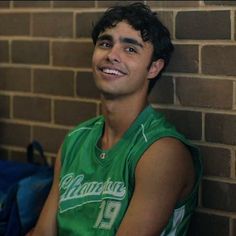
<point x="196" y="158"/>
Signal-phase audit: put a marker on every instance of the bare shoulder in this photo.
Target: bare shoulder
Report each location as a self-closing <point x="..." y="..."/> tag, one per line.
<point x="168" y="146"/>
<point x="167" y="150"/>
<point x="170" y="161"/>
<point x="164" y="175"/>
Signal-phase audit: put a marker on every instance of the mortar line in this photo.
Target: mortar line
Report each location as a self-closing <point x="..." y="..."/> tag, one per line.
<point x="232" y="16"/>
<point x="203" y="127"/>
<point x="234" y="95"/>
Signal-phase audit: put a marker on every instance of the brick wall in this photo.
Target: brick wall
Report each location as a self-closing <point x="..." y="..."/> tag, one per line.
<point x="46" y="86"/>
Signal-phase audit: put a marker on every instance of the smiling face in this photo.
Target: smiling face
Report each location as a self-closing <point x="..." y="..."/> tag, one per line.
<point x="121" y="62"/>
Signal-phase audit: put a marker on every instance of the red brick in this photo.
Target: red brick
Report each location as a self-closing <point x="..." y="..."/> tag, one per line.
<point x="5" y="106"/>
<point x="4" y="51"/>
<point x="4" y="4"/>
<point x="50" y="138"/>
<point x="219" y="195"/>
<point x="14" y="24"/>
<point x="167" y="20"/>
<point x="72" y="54"/>
<point x="54" y="82"/>
<point x="31" y="3"/>
<point x="50" y="24"/>
<point x="162" y="92"/>
<point x="14" y="79"/>
<point x="220" y="128"/>
<point x="216" y="161"/>
<point x="226" y="3"/>
<point x="85" y="23"/>
<point x="187" y="122"/>
<point x="85" y="86"/>
<point x="198" y="92"/>
<point x="73" y="112"/>
<point x="19" y="156"/>
<point x="73" y="4"/>
<point x="214" y="58"/>
<point x="14" y="134"/>
<point x="184" y="59"/>
<point x="173" y="3"/>
<point x="32" y="108"/>
<point x="114" y="3"/>
<point x="4" y="154"/>
<point x="201" y="25"/>
<point x="206" y="224"/>
<point x="30" y="52"/>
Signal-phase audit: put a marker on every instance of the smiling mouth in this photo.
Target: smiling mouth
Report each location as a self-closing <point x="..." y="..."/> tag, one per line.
<point x="110" y="71"/>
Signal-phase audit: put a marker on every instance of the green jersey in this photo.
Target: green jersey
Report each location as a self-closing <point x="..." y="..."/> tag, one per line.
<point x="96" y="186"/>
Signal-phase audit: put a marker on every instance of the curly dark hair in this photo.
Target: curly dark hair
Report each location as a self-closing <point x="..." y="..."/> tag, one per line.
<point x="142" y="19"/>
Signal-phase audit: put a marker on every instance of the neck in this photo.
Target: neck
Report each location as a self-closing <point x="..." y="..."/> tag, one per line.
<point x="119" y="115"/>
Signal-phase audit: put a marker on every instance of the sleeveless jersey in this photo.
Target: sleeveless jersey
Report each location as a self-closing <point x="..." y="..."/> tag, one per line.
<point x="95" y="191"/>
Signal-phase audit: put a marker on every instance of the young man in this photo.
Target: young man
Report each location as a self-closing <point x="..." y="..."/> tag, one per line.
<point x="127" y="172"/>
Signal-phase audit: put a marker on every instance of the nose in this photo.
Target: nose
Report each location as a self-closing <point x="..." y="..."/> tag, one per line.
<point x="114" y="55"/>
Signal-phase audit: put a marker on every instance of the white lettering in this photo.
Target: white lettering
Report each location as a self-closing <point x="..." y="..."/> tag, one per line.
<point x="75" y="188"/>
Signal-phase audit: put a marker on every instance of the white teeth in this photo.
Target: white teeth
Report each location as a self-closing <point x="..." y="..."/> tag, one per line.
<point x="112" y="72"/>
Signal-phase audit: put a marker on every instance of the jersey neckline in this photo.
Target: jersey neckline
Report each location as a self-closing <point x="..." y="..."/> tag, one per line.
<point x="106" y="156"/>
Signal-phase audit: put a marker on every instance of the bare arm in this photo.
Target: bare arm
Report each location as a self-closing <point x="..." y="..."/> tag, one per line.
<point x="163" y="176"/>
<point x="46" y="224"/>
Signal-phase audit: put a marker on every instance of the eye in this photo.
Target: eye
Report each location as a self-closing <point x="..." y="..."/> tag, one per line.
<point x="104" y="44"/>
<point x="130" y="50"/>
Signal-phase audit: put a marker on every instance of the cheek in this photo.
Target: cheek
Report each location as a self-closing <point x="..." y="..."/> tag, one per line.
<point x="96" y="55"/>
<point x="94" y="62"/>
<point x="139" y="69"/>
<point x="97" y="58"/>
<point x="93" y="58"/>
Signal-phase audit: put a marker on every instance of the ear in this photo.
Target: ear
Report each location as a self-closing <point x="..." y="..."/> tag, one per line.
<point x="155" y="68"/>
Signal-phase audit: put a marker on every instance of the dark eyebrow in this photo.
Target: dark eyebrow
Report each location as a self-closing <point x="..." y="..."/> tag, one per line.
<point x="122" y="39"/>
<point x="131" y="41"/>
<point x="105" y="37"/>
